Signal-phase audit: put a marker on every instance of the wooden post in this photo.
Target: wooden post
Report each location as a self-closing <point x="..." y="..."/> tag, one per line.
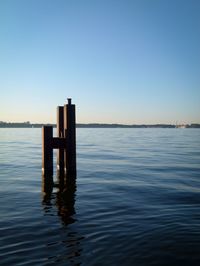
<point x="60" y="134"/>
<point x="70" y="135"/>
<point x="47" y="151"/>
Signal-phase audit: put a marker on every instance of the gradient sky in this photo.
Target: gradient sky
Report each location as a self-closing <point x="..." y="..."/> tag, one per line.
<point x="120" y="61"/>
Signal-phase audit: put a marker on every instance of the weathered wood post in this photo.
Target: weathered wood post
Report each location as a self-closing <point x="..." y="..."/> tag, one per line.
<point x="70" y="136"/>
<point x="60" y="134"/>
<point x="47" y="151"/>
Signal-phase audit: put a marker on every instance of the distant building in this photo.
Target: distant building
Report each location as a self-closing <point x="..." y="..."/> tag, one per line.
<point x="181" y="126"/>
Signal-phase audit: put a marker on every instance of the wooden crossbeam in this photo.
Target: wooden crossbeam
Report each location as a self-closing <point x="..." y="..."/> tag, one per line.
<point x="59" y="143"/>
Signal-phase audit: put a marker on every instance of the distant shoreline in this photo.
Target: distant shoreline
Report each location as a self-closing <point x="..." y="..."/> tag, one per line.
<point x="97" y="125"/>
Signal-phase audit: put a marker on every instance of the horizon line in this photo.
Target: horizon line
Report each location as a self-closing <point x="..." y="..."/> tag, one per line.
<point x="100" y="123"/>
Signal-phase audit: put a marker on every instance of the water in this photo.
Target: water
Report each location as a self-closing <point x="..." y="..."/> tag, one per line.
<point x="136" y="202"/>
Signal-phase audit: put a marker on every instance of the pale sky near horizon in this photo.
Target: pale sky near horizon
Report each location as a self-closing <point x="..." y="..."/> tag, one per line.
<point x="120" y="61"/>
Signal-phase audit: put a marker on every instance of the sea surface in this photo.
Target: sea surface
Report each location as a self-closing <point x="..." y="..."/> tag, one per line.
<point x="136" y="200"/>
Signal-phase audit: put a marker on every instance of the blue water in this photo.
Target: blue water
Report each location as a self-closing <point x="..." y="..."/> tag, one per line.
<point x="136" y="200"/>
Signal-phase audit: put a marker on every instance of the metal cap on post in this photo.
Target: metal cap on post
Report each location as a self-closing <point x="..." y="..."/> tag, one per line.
<point x="69" y="101"/>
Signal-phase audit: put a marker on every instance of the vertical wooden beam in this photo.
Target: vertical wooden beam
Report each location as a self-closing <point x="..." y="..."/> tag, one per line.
<point x="66" y="142"/>
<point x="72" y="139"/>
<point x="70" y="135"/>
<point x="47" y="186"/>
<point x="60" y="134"/>
<point x="47" y="151"/>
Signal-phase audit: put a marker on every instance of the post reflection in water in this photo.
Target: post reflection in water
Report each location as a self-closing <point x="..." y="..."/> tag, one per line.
<point x="64" y="201"/>
<point x="65" y="195"/>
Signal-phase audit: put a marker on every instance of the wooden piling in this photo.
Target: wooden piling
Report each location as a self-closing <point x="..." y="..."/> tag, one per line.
<point x="47" y="151"/>
<point x="70" y="135"/>
<point x="60" y="134"/>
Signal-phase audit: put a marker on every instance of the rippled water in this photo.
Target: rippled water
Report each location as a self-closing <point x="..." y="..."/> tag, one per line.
<point x="136" y="200"/>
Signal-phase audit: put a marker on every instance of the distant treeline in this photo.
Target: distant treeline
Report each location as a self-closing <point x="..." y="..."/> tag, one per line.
<point x="23" y="125"/>
<point x="95" y="125"/>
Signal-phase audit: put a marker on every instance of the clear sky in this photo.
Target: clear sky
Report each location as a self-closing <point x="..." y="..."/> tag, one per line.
<point x="120" y="61"/>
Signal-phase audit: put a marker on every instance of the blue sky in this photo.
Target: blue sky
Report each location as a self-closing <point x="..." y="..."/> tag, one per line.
<point x="120" y="61"/>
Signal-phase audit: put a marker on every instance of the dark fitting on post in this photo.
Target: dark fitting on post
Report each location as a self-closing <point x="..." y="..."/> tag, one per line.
<point x="69" y="101"/>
